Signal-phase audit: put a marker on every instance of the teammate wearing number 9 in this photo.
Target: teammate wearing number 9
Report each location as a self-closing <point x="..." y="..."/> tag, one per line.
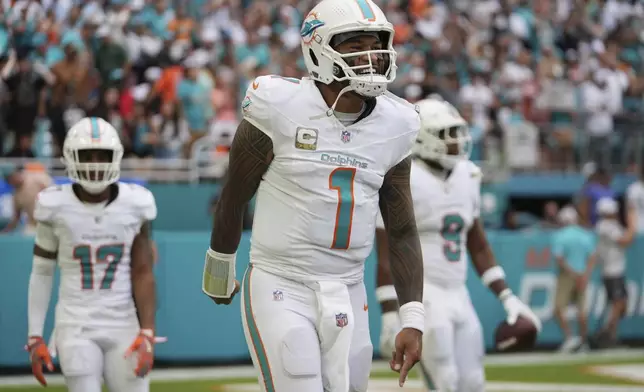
<point x="324" y="154"/>
<point x="97" y="232"/>
<point x="445" y="189"/>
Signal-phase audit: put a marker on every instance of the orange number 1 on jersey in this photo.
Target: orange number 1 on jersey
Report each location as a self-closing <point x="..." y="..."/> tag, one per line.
<point x="341" y="180"/>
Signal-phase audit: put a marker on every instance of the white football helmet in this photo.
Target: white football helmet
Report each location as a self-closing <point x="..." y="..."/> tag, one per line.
<point x="335" y="18"/>
<point x="92" y="133"/>
<point x="441" y="127"/>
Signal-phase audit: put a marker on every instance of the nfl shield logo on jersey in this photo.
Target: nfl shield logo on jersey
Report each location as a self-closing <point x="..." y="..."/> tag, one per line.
<point x="278" y="295"/>
<point x="341" y="320"/>
<point x="346" y="136"/>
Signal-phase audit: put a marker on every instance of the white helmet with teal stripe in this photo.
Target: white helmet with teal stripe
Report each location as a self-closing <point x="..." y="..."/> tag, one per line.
<point x="334" y="21"/>
<point x="92" y="154"/>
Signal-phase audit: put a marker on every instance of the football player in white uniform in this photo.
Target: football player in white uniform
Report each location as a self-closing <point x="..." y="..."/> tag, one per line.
<point x="323" y="153"/>
<point x="97" y="232"/>
<point x="446" y="193"/>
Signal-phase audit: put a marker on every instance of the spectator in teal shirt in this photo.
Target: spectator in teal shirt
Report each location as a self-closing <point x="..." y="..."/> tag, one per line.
<point x="573" y="248"/>
<point x="195" y="100"/>
<point x="23" y="29"/>
<point x="46" y="53"/>
<point x="256" y="51"/>
<point x="157" y="17"/>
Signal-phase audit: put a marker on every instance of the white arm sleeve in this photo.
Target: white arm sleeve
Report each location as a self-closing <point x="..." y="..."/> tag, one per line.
<point x="41" y="279"/>
<point x="40" y="284"/>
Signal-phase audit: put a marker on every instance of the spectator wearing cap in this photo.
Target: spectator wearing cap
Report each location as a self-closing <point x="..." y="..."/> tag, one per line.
<point x="597" y="187"/>
<point x="613" y="239"/>
<point x="573" y="248"/>
<point x="26" y="186"/>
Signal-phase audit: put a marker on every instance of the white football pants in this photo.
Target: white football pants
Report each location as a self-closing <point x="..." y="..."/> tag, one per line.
<point x="90" y="355"/>
<point x="300" y="342"/>
<point x="453" y="346"/>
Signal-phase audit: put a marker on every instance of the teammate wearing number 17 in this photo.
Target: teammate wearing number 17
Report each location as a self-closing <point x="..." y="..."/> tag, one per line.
<point x="97" y="232"/>
<point x="446" y="188"/>
<point x="323" y="154"/>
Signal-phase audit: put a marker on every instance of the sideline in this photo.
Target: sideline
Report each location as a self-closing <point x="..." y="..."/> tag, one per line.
<point x="236" y="372"/>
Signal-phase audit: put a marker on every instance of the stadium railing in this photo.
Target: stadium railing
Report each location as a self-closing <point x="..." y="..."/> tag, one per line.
<point x="562" y="147"/>
<point x="523" y="146"/>
<point x="207" y="165"/>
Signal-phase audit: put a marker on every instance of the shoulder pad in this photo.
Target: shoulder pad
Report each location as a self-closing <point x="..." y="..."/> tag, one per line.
<point x="402" y="102"/>
<point x="48" y="202"/>
<point x="404" y="110"/>
<point x="142" y="200"/>
<point x="262" y="98"/>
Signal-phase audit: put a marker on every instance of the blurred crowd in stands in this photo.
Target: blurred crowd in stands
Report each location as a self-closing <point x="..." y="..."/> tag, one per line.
<point x="544" y="83"/>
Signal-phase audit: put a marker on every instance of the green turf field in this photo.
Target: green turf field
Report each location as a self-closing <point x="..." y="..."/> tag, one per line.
<point x="575" y="372"/>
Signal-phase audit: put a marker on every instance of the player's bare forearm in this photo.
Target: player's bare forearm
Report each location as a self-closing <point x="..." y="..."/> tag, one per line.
<point x="405" y="256"/>
<point x="383" y="273"/>
<point x="142" y="274"/>
<point x="481" y="254"/>
<point x="250" y="155"/>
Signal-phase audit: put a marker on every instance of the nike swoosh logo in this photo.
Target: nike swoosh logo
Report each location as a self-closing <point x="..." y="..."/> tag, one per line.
<point x="255" y="85"/>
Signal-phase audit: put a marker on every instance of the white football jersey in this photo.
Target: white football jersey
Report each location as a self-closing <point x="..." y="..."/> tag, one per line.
<point x="317" y="204"/>
<point x="94" y="247"/>
<point x="445" y="210"/>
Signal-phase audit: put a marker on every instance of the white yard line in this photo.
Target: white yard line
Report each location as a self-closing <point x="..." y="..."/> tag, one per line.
<point x="416" y="386"/>
<point x="632" y="372"/>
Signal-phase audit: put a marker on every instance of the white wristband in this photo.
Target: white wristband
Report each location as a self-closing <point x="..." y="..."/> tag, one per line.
<point x="505" y="294"/>
<point x="218" y="274"/>
<point x="492" y="275"/>
<point x="412" y="315"/>
<point x="386" y="293"/>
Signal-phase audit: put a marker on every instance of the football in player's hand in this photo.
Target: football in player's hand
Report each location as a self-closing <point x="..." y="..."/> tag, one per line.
<point x="520" y="336"/>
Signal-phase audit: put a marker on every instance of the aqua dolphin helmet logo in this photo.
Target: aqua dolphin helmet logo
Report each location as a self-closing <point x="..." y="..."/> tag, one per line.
<point x="311" y="23"/>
